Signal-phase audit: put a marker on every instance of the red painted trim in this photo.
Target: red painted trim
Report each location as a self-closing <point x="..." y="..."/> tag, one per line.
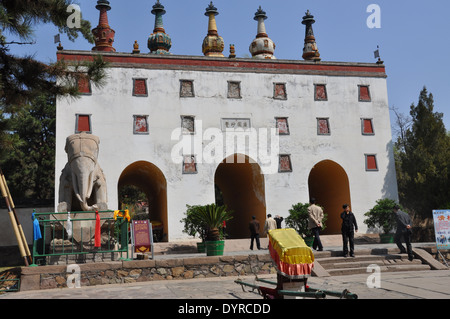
<point x="193" y="61"/>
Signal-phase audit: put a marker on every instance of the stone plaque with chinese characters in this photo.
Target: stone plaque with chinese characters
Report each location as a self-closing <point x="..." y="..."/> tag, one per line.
<point x="235" y="123"/>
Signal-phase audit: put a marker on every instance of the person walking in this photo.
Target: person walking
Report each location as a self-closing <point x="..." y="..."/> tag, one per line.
<point x="348" y="229"/>
<point x="254" y="232"/>
<point x="269" y="224"/>
<point x="403" y="230"/>
<point x="315" y="216"/>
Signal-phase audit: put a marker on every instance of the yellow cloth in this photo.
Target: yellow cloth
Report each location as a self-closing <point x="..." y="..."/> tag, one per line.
<point x="290" y="246"/>
<point x="125" y="214"/>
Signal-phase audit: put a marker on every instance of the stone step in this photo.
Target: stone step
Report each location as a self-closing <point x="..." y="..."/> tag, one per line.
<point x="333" y="260"/>
<point x="353" y="264"/>
<point x="387" y="259"/>
<point x="386" y="268"/>
<point x="364" y="262"/>
<point x="358" y="252"/>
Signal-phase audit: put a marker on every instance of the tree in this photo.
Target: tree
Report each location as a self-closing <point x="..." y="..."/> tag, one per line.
<point x="28" y="89"/>
<point x="423" y="168"/>
<point x="29" y="145"/>
<point x="22" y="79"/>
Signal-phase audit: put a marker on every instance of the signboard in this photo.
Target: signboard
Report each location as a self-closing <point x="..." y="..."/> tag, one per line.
<point x="441" y="220"/>
<point x="142" y="237"/>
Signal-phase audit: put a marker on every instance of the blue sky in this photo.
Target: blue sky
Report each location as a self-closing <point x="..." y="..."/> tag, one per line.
<point x="413" y="36"/>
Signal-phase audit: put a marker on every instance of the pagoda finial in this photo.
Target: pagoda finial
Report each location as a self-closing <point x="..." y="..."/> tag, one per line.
<point x="159" y="42"/>
<point x="262" y="47"/>
<point x="213" y="44"/>
<point x="310" y="50"/>
<point x="103" y="34"/>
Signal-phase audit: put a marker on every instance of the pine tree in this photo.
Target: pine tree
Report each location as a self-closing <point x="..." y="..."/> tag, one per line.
<point x="30" y="144"/>
<point x="424" y="160"/>
<point x="28" y="89"/>
<point x="23" y="78"/>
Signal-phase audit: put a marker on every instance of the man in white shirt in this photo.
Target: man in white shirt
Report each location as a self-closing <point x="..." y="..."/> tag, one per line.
<point x="269" y="224"/>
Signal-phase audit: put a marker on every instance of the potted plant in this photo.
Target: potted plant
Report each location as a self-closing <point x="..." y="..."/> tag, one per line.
<point x="382" y="216"/>
<point x="193" y="226"/>
<point x="298" y="219"/>
<point x="212" y="217"/>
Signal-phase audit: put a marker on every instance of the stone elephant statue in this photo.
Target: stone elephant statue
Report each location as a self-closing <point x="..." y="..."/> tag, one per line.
<point x="82" y="182"/>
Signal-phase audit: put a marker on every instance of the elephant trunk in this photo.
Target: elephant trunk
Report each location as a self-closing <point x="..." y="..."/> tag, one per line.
<point x="83" y="181"/>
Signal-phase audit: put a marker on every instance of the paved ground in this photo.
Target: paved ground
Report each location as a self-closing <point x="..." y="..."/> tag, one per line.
<point x="400" y="285"/>
<point x="432" y="284"/>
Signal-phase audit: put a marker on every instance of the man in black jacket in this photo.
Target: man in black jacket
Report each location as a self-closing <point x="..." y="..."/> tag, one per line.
<point x="349" y="227"/>
<point x="403" y="230"/>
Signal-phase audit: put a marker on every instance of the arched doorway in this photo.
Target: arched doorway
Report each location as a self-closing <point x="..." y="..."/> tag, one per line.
<point x="328" y="184"/>
<point x="151" y="181"/>
<point x="239" y="184"/>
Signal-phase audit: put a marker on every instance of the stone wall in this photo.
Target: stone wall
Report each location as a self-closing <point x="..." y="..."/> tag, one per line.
<point x="48" y="277"/>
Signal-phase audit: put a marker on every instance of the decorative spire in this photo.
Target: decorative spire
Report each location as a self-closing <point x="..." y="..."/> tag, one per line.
<point x="159" y="42"/>
<point x="103" y="34"/>
<point x="136" y="48"/>
<point x="232" y="52"/>
<point x="213" y="44"/>
<point x="262" y="47"/>
<point x="310" y="50"/>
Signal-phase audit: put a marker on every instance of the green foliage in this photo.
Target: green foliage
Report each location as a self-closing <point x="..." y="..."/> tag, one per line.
<point x="131" y="197"/>
<point x="206" y="220"/>
<point x="28" y="89"/>
<point x="381" y="215"/>
<point x="423" y="160"/>
<point x="28" y="145"/>
<point x="191" y="225"/>
<point x="19" y="16"/>
<point x="298" y="219"/>
<point x="22" y="79"/>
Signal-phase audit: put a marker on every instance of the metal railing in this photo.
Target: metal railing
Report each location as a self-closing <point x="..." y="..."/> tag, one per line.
<point x="56" y="227"/>
<point x="9" y="282"/>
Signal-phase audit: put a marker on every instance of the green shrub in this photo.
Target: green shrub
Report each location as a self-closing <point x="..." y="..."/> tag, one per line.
<point x="206" y="221"/>
<point x="192" y="226"/>
<point x="381" y="215"/>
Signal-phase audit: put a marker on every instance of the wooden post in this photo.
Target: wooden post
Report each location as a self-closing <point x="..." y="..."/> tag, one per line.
<point x="18" y="231"/>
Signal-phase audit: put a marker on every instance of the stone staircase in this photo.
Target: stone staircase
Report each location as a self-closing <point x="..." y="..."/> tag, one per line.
<point x="332" y="263"/>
